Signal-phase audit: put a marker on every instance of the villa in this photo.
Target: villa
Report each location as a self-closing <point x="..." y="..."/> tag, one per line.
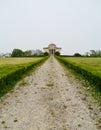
<point x="51" y="49"/>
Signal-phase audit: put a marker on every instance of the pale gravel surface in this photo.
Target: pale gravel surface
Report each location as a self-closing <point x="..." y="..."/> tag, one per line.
<point x="51" y="100"/>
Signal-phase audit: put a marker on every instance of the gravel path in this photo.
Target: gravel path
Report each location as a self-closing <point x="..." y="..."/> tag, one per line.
<point x="48" y="99"/>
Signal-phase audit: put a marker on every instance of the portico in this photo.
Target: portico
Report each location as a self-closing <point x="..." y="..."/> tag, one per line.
<point x="51" y="49"/>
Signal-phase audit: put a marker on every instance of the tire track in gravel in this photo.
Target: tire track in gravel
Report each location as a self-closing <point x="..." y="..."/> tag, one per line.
<point x="48" y="101"/>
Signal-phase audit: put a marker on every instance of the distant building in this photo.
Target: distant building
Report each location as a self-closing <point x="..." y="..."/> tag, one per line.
<point x="51" y="49"/>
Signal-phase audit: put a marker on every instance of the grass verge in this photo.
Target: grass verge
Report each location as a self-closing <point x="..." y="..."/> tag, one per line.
<point x="10" y="74"/>
<point x="93" y="79"/>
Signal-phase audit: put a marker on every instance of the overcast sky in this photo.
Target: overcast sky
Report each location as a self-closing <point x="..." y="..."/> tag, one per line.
<point x="74" y="25"/>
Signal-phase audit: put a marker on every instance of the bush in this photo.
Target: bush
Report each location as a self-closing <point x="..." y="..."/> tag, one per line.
<point x="57" y="53"/>
<point x="77" y="55"/>
<point x="89" y="76"/>
<point x="8" y="81"/>
<point x="46" y="54"/>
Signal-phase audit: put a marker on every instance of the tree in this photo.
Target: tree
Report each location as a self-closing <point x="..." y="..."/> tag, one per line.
<point x="17" y="53"/>
<point x="77" y="55"/>
<point x="46" y="54"/>
<point x="93" y="53"/>
<point x="87" y="54"/>
<point x="57" y="53"/>
<point x="38" y="52"/>
<point x="98" y="53"/>
<point x="28" y="53"/>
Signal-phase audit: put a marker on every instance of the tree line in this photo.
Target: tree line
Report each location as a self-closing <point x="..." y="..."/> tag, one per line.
<point x="37" y="52"/>
<point x="94" y="53"/>
<point x="27" y="53"/>
<point x="91" y="53"/>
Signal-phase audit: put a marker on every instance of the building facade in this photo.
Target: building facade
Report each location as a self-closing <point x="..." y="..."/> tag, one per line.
<point x="51" y="49"/>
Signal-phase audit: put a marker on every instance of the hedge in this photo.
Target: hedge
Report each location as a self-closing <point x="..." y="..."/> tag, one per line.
<point x="8" y="81"/>
<point x="94" y="80"/>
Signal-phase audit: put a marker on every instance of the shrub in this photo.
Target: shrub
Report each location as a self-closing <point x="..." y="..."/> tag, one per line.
<point x="8" y="80"/>
<point x="93" y="79"/>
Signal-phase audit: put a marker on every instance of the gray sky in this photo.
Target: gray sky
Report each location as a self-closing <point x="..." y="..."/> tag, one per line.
<point x="74" y="25"/>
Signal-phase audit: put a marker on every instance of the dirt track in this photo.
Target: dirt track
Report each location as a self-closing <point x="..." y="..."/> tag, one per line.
<point x="49" y="99"/>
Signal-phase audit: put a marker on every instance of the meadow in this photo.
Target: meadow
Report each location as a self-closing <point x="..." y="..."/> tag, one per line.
<point x="89" y="68"/>
<point x="12" y="69"/>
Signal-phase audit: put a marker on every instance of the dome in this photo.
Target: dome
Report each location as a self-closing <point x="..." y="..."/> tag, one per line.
<point x="52" y="45"/>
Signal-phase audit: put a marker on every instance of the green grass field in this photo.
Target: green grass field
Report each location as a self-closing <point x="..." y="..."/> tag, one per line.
<point x="92" y="65"/>
<point x="12" y="69"/>
<point x="89" y="68"/>
<point x="6" y="61"/>
<point x="9" y="65"/>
